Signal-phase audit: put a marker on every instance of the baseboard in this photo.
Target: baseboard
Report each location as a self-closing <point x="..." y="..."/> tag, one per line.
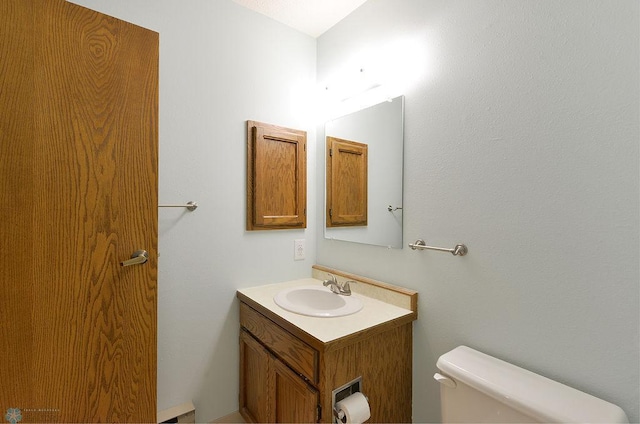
<point x="184" y="413"/>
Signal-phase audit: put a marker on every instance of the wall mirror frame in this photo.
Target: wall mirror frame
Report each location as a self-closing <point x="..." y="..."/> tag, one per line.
<point x="380" y="128"/>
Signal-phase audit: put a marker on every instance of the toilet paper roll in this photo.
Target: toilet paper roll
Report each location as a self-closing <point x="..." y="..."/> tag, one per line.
<point x="354" y="409"/>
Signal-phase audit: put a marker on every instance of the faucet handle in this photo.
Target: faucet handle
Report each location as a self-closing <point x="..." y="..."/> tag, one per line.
<point x="345" y="288"/>
<point x="346" y="283"/>
<point x="331" y="280"/>
<point x="333" y="284"/>
<point x="338" y="287"/>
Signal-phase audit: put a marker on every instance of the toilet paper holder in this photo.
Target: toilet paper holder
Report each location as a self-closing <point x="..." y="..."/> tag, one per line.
<point x="343" y="392"/>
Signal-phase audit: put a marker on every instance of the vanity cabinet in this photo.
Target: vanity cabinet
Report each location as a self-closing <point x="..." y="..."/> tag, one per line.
<point x="288" y="375"/>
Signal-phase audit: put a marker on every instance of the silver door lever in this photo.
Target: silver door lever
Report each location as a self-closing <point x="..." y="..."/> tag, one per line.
<point x="138" y="257"/>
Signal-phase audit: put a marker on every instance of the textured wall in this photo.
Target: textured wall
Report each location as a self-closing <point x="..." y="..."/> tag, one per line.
<point x="522" y="141"/>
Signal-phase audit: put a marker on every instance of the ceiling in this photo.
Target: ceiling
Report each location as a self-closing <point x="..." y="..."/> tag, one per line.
<point x="312" y="17"/>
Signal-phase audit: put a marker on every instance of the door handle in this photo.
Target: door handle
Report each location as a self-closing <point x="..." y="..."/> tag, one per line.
<point x="138" y="257"/>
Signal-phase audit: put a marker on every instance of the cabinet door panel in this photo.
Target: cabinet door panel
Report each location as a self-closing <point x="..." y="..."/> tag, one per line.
<point x="255" y="380"/>
<point x="346" y="183"/>
<point x="295" y="401"/>
<point x="276" y="177"/>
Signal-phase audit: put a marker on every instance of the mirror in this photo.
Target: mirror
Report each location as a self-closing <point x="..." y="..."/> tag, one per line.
<point x="363" y="191"/>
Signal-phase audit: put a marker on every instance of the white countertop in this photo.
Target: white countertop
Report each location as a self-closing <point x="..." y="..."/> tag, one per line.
<point x="373" y="312"/>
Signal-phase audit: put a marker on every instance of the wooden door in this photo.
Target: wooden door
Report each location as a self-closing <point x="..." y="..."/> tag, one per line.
<point x="347" y="184"/>
<point x="78" y="195"/>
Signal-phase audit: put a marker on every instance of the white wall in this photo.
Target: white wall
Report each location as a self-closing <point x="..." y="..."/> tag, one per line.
<point x="522" y="141"/>
<point x="220" y="64"/>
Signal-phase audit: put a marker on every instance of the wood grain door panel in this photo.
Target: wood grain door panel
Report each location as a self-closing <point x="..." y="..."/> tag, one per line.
<point x="270" y="392"/>
<point x="78" y="194"/>
<point x="295" y="401"/>
<point x="347" y="184"/>
<point x="256" y="382"/>
<point x="276" y="177"/>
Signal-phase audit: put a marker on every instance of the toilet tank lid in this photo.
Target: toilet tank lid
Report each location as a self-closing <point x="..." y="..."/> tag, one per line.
<point x="531" y="394"/>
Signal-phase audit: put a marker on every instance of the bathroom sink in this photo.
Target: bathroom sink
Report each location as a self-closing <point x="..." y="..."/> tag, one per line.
<point x="317" y="301"/>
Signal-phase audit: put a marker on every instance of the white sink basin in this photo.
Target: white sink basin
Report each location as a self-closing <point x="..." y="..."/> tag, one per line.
<point x="317" y="301"/>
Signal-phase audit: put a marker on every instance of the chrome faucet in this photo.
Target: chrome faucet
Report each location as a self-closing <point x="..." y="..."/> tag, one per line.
<point x="338" y="287"/>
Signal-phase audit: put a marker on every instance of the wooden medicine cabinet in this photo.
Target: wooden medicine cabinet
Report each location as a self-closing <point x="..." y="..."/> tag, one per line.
<point x="346" y="183"/>
<point x="276" y="177"/>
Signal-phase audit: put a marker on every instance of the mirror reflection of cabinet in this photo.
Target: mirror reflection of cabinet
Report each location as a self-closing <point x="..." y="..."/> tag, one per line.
<point x="381" y="128"/>
<point x="276" y="177"/>
<point x="346" y="183"/>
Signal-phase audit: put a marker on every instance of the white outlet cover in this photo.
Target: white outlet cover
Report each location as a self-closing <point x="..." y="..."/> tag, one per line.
<point x="298" y="250"/>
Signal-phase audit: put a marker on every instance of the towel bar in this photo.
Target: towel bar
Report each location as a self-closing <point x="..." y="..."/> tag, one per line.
<point x="459" y="250"/>
<point x="191" y="206"/>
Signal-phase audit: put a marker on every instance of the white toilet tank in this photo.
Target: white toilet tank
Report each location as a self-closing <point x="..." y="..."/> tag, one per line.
<point x="478" y="388"/>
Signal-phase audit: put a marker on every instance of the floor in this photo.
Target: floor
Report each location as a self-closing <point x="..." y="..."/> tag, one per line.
<point x="231" y="418"/>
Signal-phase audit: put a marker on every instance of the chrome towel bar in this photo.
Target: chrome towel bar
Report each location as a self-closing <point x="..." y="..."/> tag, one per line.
<point x="459" y="250"/>
<point x="191" y="206"/>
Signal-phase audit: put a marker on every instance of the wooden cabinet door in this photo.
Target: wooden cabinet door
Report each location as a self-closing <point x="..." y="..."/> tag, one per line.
<point x="269" y="391"/>
<point x="255" y="380"/>
<point x="346" y="183"/>
<point x="295" y="400"/>
<point x="78" y="195"/>
<point x="276" y="177"/>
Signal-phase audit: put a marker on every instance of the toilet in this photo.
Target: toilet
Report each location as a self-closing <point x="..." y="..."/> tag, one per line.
<point x="478" y="388"/>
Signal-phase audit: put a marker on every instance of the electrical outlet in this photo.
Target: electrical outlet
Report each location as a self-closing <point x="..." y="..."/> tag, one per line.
<point x="298" y="250"/>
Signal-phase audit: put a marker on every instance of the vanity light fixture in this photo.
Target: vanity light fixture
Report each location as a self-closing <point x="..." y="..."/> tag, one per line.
<point x="351" y="86"/>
